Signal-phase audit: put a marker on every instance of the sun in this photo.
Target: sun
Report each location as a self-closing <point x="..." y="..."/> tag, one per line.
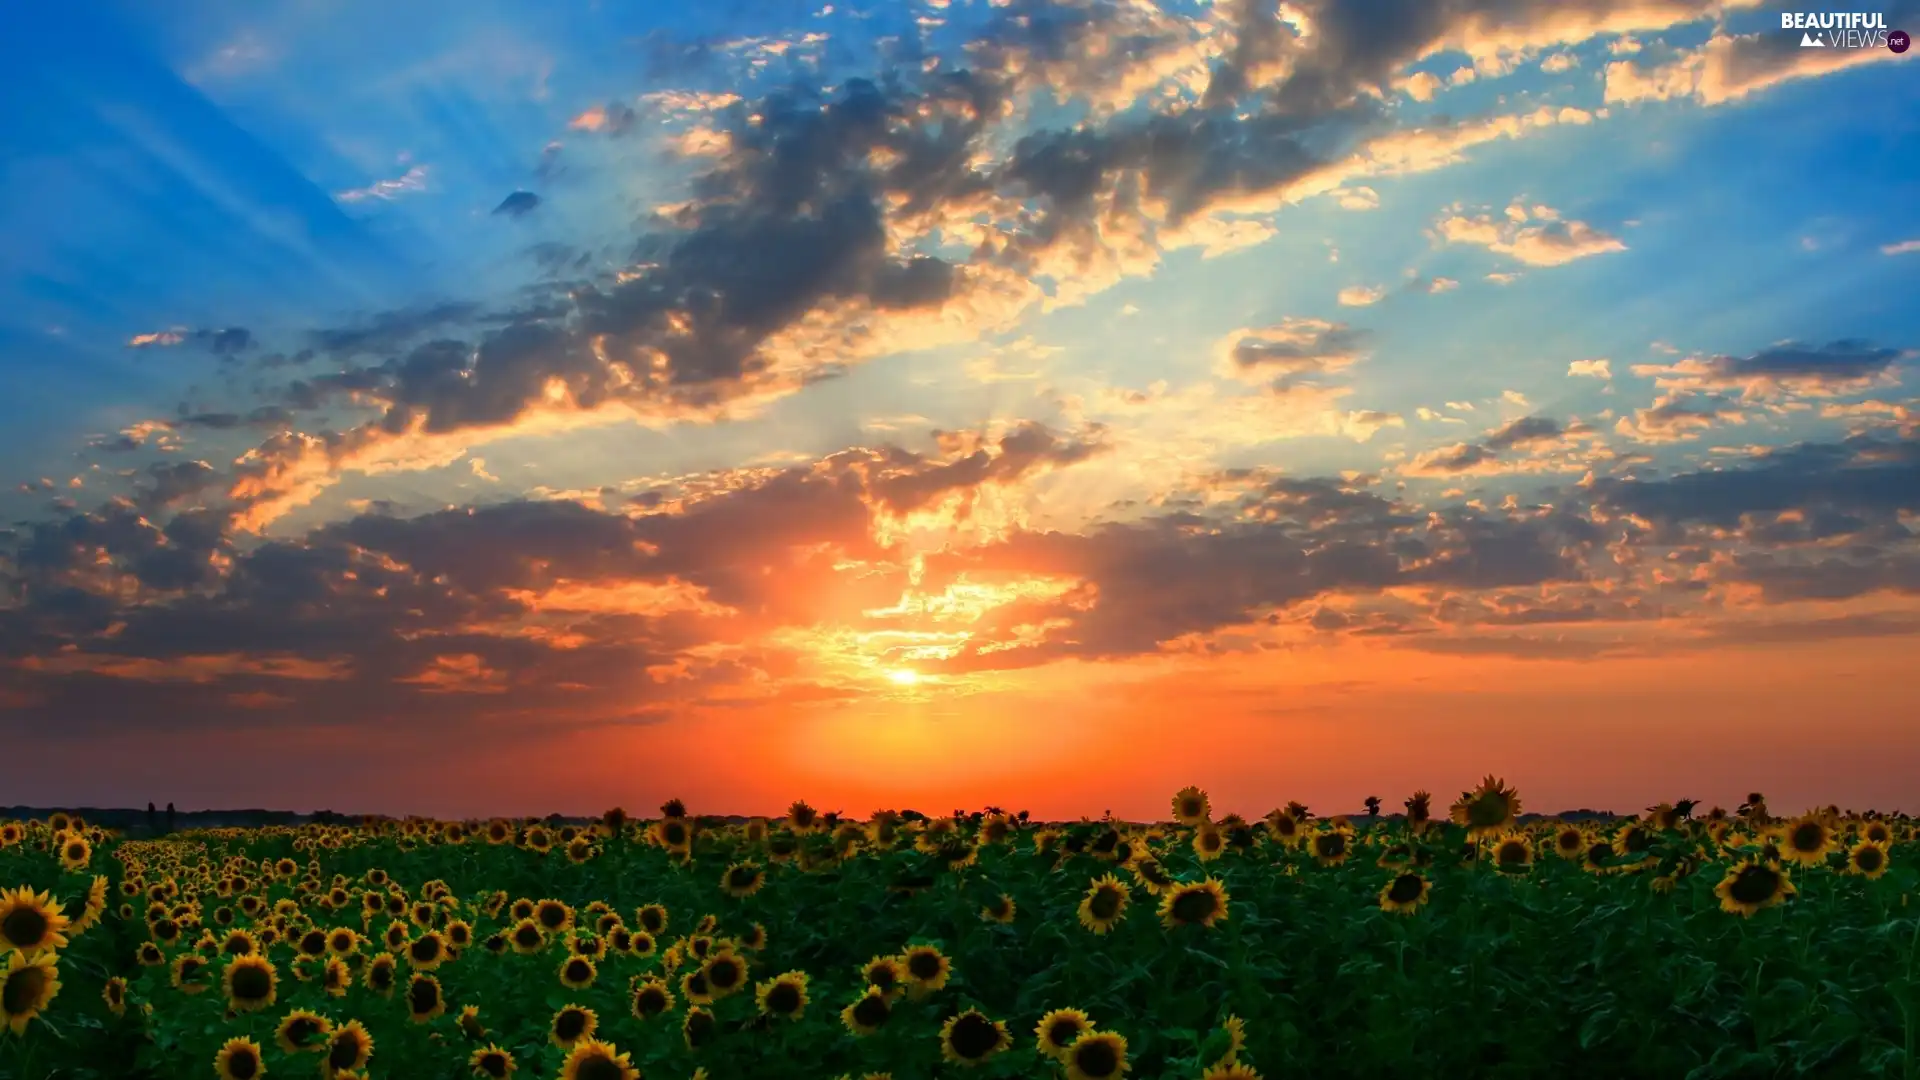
<point x="903" y="677"/>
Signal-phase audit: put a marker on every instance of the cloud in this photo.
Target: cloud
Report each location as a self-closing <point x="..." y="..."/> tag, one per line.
<point x="614" y="118"/>
<point x="1361" y="295"/>
<point x="1730" y="68"/>
<point x="1525" y="444"/>
<point x="1786" y="369"/>
<point x="1904" y="247"/>
<point x="409" y="182"/>
<point x="1550" y="241"/>
<point x="1292" y="347"/>
<point x="1591" y="369"/>
<point x="1679" y="416"/>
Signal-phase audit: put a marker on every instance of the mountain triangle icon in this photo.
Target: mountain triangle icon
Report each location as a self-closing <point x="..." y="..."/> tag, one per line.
<point x="1808" y="41"/>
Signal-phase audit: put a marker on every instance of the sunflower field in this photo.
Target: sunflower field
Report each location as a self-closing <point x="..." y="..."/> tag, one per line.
<point x="1473" y="943"/>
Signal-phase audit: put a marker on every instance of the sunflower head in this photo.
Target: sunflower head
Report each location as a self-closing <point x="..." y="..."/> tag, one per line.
<point x="591" y="1059"/>
<point x="1202" y="904"/>
<point x="28" y="982"/>
<point x="784" y="996"/>
<point x="1096" y="1055"/>
<point x="1751" y="885"/>
<point x="348" y="1047"/>
<point x="492" y="1063"/>
<point x="250" y="983"/>
<point x="1405" y="893"/>
<point x="651" y="997"/>
<point x="970" y="1038"/>
<point x="1104" y="904"/>
<point x="239" y="1059"/>
<point x="30" y="921"/>
<point x="698" y="1028"/>
<point x="1489" y="808"/>
<point x="1058" y="1029"/>
<point x="1190" y="806"/>
<point x="571" y="1024"/>
<point x="869" y="1012"/>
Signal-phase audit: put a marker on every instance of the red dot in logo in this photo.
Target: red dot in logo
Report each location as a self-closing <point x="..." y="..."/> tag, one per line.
<point x="1898" y="41"/>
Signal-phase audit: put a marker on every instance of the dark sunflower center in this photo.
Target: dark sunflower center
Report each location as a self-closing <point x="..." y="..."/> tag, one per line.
<point x="1405" y="889"/>
<point x="675" y="834"/>
<point x="422" y="996"/>
<point x="743" y="878"/>
<point x="426" y="948"/>
<point x="1105" y="904"/>
<point x="25" y="927"/>
<point x="252" y="983"/>
<point x="1754" y="884"/>
<point x="1194" y="905"/>
<point x="1330" y="844"/>
<point x="923" y="965"/>
<point x="242" y="1064"/>
<point x="699" y="1028"/>
<point x="1097" y="1058"/>
<point x="1063" y="1032"/>
<point x="650" y="1001"/>
<point x="552" y="917"/>
<point x="1190" y="808"/>
<point x="527" y="936"/>
<point x="494" y="1064"/>
<point x="1808" y="837"/>
<point x="313" y="944"/>
<point x="871" y="1011"/>
<point x="344" y="1051"/>
<point x="569" y="1024"/>
<point x="1869" y="859"/>
<point x="974" y="1036"/>
<point x="578" y="971"/>
<point x="1637" y="840"/>
<point x="725" y="975"/>
<point x="881" y="975"/>
<point x="381" y="976"/>
<point x="1600" y="853"/>
<point x="1511" y="853"/>
<point x="22" y="991"/>
<point x="301" y="1030"/>
<point x="600" y="1066"/>
<point x="784" y="998"/>
<point x="1569" y="841"/>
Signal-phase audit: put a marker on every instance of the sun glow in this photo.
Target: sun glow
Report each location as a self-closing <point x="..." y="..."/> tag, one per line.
<point x="903" y="677"/>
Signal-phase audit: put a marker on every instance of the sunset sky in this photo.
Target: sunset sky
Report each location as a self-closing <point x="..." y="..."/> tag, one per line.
<point x="486" y="407"/>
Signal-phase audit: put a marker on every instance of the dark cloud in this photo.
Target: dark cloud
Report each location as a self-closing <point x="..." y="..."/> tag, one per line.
<point x="1527" y="429"/>
<point x="1873" y="477"/>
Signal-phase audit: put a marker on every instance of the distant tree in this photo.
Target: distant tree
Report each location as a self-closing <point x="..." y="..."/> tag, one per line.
<point x="169" y="817"/>
<point x="1373" y="806"/>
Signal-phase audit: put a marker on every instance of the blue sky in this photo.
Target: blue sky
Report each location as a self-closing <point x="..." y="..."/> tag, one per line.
<point x="277" y="275"/>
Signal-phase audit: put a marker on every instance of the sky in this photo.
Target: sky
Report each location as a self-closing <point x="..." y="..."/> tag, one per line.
<point x="486" y="408"/>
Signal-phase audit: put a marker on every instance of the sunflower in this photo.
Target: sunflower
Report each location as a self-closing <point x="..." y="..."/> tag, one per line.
<point x="27" y="983"/>
<point x="379" y="976"/>
<point x="1753" y="885"/>
<point x="336" y="977"/>
<point x="492" y="1063"/>
<point x="755" y="938"/>
<point x="698" y="1028"/>
<point x="726" y="973"/>
<point x="926" y="968"/>
<point x="869" y="1012"/>
<point x="1208" y="843"/>
<point x="1599" y="856"/>
<point x="571" y="1024"/>
<point x="1000" y="910"/>
<point x="1230" y="1070"/>
<point x="553" y="916"/>
<point x="1190" y="806"/>
<point x="1513" y="853"/>
<point x="250" y="983"/>
<point x="1490" y="808"/>
<point x="239" y="1059"/>
<point x="652" y="918"/>
<point x="1569" y="842"/>
<point x="1203" y="904"/>
<point x="1104" y="904"/>
<point x="150" y="955"/>
<point x="1057" y="1030"/>
<point x="301" y="1031"/>
<point x="884" y="972"/>
<point x="30" y="921"/>
<point x="783" y="996"/>
<point x="425" y="1001"/>
<point x="1867" y="859"/>
<point x="693" y="987"/>
<point x="969" y="1038"/>
<point x="188" y="969"/>
<point x="651" y="997"/>
<point x="1877" y="832"/>
<point x="1806" y="839"/>
<point x="591" y="1059"/>
<point x="577" y="972"/>
<point x="349" y="1047"/>
<point x="1405" y="893"/>
<point x="1236" y="1032"/>
<point x="1096" y="1055"/>
<point x="114" y="993"/>
<point x="1331" y="846"/>
<point x="75" y="853"/>
<point x="742" y="879"/>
